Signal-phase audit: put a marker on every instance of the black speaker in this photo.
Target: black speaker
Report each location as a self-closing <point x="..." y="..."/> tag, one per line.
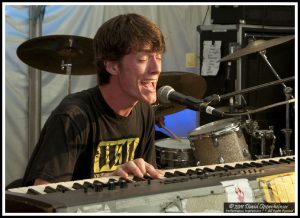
<point x="254" y="15"/>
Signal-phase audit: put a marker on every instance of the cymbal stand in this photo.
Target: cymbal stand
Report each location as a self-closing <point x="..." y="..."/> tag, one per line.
<point x="288" y="95"/>
<point x="68" y="71"/>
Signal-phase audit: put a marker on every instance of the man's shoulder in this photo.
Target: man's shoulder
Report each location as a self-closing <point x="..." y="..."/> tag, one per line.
<point x="76" y="102"/>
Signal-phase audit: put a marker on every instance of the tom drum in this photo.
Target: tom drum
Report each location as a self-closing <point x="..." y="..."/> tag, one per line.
<point x="219" y="142"/>
<point x="172" y="153"/>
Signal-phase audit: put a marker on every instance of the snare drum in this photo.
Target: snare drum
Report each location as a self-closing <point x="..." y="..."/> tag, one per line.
<point x="219" y="142"/>
<point x="172" y="153"/>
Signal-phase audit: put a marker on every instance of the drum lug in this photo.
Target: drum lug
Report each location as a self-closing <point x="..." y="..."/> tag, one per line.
<point x="215" y="142"/>
<point x="163" y="158"/>
<point x="246" y="152"/>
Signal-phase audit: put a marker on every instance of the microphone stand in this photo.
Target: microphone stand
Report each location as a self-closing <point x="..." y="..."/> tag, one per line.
<point x="254" y="88"/>
<point x="288" y="95"/>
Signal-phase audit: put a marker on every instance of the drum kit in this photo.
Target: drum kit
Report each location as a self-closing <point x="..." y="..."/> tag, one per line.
<point x="221" y="141"/>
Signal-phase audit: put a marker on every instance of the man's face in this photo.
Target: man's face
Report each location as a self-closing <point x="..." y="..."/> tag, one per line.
<point x="138" y="76"/>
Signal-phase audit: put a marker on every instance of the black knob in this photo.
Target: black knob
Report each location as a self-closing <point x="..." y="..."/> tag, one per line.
<point x="111" y="185"/>
<point x="123" y="183"/>
<point x="98" y="186"/>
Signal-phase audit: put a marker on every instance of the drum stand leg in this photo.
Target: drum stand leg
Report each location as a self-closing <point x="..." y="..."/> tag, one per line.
<point x="288" y="93"/>
<point x="287" y="131"/>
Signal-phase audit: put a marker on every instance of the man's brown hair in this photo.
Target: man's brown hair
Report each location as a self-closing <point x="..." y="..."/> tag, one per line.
<point x="121" y="35"/>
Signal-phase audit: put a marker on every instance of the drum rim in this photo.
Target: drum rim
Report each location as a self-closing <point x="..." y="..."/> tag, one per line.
<point x="226" y="129"/>
<point x="157" y="147"/>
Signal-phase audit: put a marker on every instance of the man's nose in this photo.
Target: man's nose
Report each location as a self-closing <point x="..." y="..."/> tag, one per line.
<point x="155" y="65"/>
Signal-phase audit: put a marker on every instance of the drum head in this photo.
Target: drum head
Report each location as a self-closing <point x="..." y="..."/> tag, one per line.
<point x="215" y="126"/>
<point x="168" y="143"/>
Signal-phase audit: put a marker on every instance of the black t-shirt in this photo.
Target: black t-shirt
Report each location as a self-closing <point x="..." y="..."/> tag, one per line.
<point x="83" y="138"/>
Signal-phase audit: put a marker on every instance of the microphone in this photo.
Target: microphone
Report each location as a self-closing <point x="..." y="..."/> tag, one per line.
<point x="166" y="94"/>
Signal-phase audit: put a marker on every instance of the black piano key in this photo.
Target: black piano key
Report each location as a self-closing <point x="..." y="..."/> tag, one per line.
<point x="169" y="175"/>
<point x="138" y="179"/>
<point x="200" y="171"/>
<point x="178" y="173"/>
<point x="228" y="167"/>
<point x="76" y="185"/>
<point x="97" y="181"/>
<point x="284" y="161"/>
<point x="247" y="165"/>
<point x="148" y="177"/>
<point x="274" y="161"/>
<point x="32" y="191"/>
<point x="208" y="170"/>
<point x="88" y="185"/>
<point x="62" y="188"/>
<point x="291" y="159"/>
<point x="113" y="180"/>
<point x="256" y="164"/>
<point x="219" y="168"/>
<point x="266" y="162"/>
<point x="239" y="166"/>
<point x="191" y="172"/>
<point x="49" y="189"/>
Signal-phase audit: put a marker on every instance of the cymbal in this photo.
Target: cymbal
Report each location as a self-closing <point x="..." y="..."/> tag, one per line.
<point x="189" y="84"/>
<point x="48" y="53"/>
<point x="257" y="45"/>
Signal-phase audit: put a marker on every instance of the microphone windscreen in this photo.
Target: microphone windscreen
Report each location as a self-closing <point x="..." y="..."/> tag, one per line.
<point x="163" y="94"/>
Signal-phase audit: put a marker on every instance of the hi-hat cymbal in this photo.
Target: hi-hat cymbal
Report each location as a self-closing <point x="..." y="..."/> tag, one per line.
<point x="48" y="53"/>
<point x="255" y="46"/>
<point x="189" y="84"/>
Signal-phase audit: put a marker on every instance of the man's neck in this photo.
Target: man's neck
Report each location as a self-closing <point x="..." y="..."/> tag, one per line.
<point x="116" y="100"/>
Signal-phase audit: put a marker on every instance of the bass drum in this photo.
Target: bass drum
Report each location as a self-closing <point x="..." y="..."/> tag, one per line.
<point x="173" y="153"/>
<point x="219" y="142"/>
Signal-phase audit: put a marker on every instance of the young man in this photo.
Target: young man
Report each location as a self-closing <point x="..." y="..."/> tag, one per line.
<point x="108" y="129"/>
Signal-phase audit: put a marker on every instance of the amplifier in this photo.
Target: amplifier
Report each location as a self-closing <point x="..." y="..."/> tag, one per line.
<point x="254" y="15"/>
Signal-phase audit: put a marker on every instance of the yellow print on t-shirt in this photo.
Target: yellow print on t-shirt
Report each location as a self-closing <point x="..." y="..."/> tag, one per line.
<point x="111" y="154"/>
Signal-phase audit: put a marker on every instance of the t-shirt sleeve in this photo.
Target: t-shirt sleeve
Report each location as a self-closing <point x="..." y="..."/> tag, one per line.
<point x="56" y="153"/>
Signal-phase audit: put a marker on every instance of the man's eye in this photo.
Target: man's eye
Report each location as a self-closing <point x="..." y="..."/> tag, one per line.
<point x="143" y="59"/>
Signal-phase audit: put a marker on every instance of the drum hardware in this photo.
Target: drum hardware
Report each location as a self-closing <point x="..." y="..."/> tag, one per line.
<point x="56" y="53"/>
<point x="288" y="95"/>
<point x="263" y="135"/>
<point x="252" y="129"/>
<point x="261" y="46"/>
<point x="221" y="160"/>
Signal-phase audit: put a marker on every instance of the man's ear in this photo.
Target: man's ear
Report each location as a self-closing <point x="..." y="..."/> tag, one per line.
<point x="112" y="67"/>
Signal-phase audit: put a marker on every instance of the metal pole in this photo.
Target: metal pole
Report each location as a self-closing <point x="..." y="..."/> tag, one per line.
<point x="34" y="75"/>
